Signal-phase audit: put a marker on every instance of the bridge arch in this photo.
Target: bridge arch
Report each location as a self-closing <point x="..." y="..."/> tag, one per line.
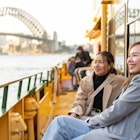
<point x="33" y="25"/>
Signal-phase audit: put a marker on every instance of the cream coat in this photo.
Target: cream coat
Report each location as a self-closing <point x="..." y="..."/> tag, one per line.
<point x="111" y="91"/>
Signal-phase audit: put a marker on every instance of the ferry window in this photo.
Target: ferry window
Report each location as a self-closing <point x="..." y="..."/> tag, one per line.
<point x="133" y="9"/>
<point x="111" y="35"/>
<point x="134" y="32"/>
<point x="133" y="22"/>
<point x="120" y="39"/>
<point x="119" y="49"/>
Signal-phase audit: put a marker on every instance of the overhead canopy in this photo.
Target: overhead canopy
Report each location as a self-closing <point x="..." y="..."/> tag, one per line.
<point x="95" y="27"/>
<point x="95" y="31"/>
<point x="110" y="1"/>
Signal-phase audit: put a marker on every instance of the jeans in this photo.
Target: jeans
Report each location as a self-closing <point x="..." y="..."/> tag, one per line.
<point x="69" y="128"/>
<point x="66" y="128"/>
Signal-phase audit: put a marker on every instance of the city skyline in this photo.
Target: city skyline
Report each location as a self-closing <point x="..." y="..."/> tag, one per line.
<point x="69" y="19"/>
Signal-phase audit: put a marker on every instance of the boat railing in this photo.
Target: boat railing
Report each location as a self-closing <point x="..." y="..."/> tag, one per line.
<point x="78" y="71"/>
<point x="33" y="83"/>
<point x="26" y="99"/>
<point x="22" y="86"/>
<point x="59" y="71"/>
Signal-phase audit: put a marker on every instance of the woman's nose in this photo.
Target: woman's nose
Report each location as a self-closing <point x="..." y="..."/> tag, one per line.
<point x="129" y="59"/>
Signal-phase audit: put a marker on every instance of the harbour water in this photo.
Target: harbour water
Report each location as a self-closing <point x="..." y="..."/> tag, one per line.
<point x="16" y="66"/>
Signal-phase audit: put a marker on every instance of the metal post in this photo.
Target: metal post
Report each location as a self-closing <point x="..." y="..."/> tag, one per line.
<point x="19" y="89"/>
<point x="29" y="82"/>
<point x="104" y="27"/>
<point x="5" y="94"/>
<point x="41" y="77"/>
<point x="35" y="80"/>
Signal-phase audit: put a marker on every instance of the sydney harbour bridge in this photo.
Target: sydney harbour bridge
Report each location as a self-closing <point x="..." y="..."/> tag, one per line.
<point x="37" y="30"/>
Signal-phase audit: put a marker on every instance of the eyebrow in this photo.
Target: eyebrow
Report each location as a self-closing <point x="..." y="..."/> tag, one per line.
<point x="135" y="53"/>
<point x="98" y="60"/>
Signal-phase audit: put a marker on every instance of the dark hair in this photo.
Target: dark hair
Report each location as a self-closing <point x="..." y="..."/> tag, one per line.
<point x="80" y="48"/>
<point x="110" y="60"/>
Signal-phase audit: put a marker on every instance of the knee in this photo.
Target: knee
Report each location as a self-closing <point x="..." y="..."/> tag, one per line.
<point x="60" y="120"/>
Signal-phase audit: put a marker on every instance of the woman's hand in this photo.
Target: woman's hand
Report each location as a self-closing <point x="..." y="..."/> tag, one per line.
<point x="74" y="115"/>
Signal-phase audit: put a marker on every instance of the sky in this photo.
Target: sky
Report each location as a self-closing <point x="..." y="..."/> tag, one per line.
<point x="69" y="18"/>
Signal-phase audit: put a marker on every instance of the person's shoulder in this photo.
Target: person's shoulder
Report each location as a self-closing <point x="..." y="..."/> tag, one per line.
<point x="87" y="83"/>
<point x="86" y="53"/>
<point x="118" y="77"/>
<point x="136" y="78"/>
<point x="88" y="77"/>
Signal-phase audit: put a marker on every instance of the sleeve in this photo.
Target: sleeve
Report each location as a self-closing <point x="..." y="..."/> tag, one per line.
<point x="128" y="101"/>
<point x="80" y="100"/>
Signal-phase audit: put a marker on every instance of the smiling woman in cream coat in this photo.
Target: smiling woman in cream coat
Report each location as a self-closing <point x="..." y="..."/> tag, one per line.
<point x="84" y="105"/>
<point x="120" y="121"/>
<point x="111" y="90"/>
